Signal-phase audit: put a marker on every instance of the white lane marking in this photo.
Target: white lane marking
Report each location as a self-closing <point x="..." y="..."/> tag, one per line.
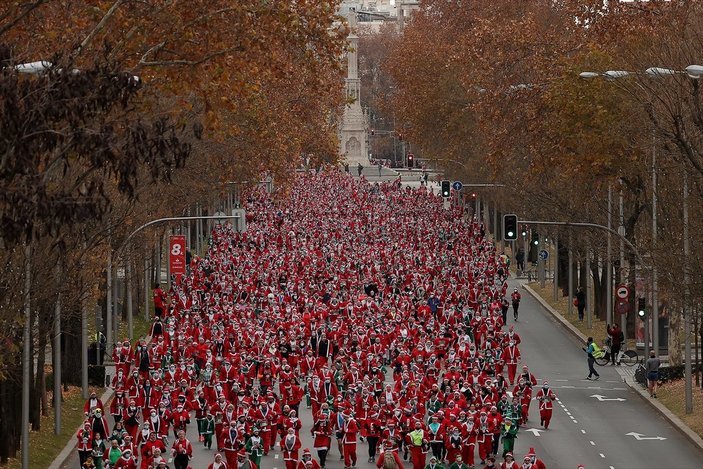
<point x="562" y="380"/>
<point x="583" y="431"/>
<point x="275" y="456"/>
<point x="611" y="467"/>
<point x="602" y="455"/>
<point x="575" y="421"/>
<point x="592" y="443"/>
<point x="602" y="398"/>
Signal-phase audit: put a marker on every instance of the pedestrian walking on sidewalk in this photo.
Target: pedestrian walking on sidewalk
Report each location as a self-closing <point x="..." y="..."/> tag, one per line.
<point x="617" y="337"/>
<point x="580" y="302"/>
<point x="590" y="348"/>
<point x="652" y="367"/>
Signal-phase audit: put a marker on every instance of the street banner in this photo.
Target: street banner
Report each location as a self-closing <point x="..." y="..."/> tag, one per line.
<point x="177" y="255"/>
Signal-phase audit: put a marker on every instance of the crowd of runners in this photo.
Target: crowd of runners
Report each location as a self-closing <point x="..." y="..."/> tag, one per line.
<point x="370" y="306"/>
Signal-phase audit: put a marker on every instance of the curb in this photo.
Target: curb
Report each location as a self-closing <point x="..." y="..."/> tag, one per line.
<point x="661" y="408"/>
<point x="627" y="379"/>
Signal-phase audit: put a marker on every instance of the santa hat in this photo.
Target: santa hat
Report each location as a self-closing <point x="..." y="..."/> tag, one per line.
<point x="581" y="466"/>
<point x="388" y="444"/>
<point x="531" y="452"/>
<point x="242" y="453"/>
<point x="306" y="451"/>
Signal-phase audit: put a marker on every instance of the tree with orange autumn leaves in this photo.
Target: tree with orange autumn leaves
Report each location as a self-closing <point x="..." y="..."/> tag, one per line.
<point x="259" y="82"/>
<point x="496" y="85"/>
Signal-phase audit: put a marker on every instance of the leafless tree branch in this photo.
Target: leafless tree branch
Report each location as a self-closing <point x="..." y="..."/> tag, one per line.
<point x="28" y="8"/>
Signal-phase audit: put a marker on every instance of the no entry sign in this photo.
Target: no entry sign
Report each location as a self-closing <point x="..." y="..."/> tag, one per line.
<point x="623" y="292"/>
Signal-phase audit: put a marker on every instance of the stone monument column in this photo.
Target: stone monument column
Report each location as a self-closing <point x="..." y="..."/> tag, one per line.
<point x="353" y="136"/>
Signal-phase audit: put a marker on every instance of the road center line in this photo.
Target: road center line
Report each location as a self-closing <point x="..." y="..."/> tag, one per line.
<point x="602" y="455"/>
<point x="592" y="443"/>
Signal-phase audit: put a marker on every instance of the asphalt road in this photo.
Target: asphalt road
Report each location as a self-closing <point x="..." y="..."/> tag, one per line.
<point x="590" y="430"/>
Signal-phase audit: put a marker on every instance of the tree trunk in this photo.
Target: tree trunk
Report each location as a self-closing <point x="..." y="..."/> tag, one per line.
<point x="675" y="334"/>
<point x="72" y="356"/>
<point x="598" y="287"/>
<point x="582" y="275"/>
<point x="563" y="268"/>
<point x="38" y="393"/>
<point x="10" y="410"/>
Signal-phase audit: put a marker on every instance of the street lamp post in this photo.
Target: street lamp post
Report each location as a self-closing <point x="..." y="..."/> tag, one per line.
<point x="114" y="256"/>
<point x="694" y="72"/>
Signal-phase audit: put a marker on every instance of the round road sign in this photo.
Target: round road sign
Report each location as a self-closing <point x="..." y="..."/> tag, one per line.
<point x="457" y="185"/>
<point x="544" y="254"/>
<point x="622" y="306"/>
<point x="623" y="292"/>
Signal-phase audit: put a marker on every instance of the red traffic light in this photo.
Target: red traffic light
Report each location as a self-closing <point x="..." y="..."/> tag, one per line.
<point x="473" y="195"/>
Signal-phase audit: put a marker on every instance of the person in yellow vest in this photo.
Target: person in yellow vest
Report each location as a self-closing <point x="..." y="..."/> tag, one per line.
<point x="416" y="440"/>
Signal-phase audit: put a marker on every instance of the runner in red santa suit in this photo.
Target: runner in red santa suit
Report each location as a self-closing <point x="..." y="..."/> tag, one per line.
<point x="148" y="447"/>
<point x="243" y="461"/>
<point x="307" y="462"/>
<point x="387" y="454"/>
<point x="218" y="463"/>
<point x="126" y="461"/>
<point x="534" y="460"/>
<point x="232" y="441"/>
<point x="545" y="396"/>
<point x="290" y="444"/>
<point x="350" y="432"/>
<point x="322" y="431"/>
<point x="509" y="462"/>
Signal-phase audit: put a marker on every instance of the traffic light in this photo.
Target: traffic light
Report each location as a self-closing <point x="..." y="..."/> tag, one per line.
<point x="446" y="188"/>
<point x="509" y="227"/>
<point x="373" y="132"/>
<point x="473" y="195"/>
<point x="411" y="160"/>
<point x="535" y="238"/>
<point x="641" y="307"/>
<point x="400" y="136"/>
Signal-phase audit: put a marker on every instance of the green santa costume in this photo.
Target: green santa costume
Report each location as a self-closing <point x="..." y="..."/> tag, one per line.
<point x="509" y="433"/>
<point x="208" y="429"/>
<point x="255" y="447"/>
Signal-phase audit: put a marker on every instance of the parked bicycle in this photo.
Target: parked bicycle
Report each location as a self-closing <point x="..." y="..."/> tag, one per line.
<point x="626" y="357"/>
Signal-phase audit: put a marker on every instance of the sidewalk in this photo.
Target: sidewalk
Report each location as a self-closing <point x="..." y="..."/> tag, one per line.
<point x="627" y="373"/>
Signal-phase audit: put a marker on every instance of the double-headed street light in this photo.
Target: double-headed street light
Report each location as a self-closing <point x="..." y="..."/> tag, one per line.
<point x="694" y="72"/>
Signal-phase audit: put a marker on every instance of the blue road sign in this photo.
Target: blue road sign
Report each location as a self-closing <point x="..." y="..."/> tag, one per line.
<point x="457" y="185"/>
<point x="543" y="254"/>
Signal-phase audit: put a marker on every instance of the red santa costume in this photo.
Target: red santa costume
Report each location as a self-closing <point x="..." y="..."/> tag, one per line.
<point x="545" y="397"/>
<point x="218" y="463"/>
<point x="350" y="430"/>
<point x="290" y="444"/>
<point x="388" y="448"/>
